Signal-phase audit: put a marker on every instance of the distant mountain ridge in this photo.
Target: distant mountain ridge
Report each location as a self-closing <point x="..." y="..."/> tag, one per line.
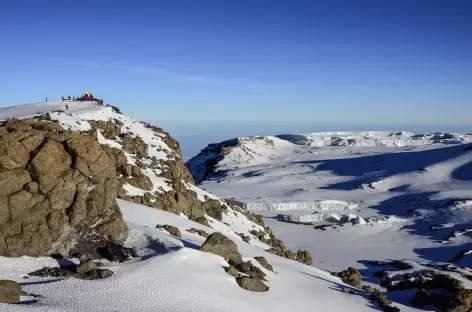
<point x="217" y="158"/>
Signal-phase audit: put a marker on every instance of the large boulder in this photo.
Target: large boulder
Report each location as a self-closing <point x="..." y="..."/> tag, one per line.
<point x="220" y="245"/>
<point x="55" y="187"/>
<point x="10" y="291"/>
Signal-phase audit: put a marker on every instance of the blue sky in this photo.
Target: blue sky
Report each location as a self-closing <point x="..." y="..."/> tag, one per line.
<point x="360" y="62"/>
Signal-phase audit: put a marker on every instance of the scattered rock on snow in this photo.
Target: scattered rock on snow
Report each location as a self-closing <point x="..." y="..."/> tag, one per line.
<point x="212" y="207"/>
<point x="220" y="245"/>
<point x="351" y="276"/>
<point x="171" y="229"/>
<point x="86" y="270"/>
<point x="382" y="300"/>
<point x="10" y="291"/>
<point x="231" y="270"/>
<point x="86" y="266"/>
<point x="251" y="283"/>
<point x="263" y="261"/>
<point x="95" y="247"/>
<point x="249" y="269"/>
<point x="245" y="238"/>
<point x="304" y="256"/>
<point x="52" y="272"/>
<point x="96" y="274"/>
<point x="198" y="231"/>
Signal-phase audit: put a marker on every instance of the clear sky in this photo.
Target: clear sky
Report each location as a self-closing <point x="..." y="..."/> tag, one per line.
<point x="321" y="62"/>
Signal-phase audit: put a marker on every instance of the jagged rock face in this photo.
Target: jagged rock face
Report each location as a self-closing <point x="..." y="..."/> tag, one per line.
<point x="134" y="145"/>
<point x="55" y="185"/>
<point x="178" y="200"/>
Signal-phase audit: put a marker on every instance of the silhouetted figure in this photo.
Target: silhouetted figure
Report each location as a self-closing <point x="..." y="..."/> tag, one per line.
<point x="69" y="97"/>
<point x="46" y="99"/>
<point x="67" y="107"/>
<point x="62" y="99"/>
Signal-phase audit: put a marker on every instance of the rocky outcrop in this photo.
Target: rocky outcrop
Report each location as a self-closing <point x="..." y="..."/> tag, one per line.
<point x="10" y="291"/>
<point x="178" y="200"/>
<point x="55" y="186"/>
<point x="220" y="245"/>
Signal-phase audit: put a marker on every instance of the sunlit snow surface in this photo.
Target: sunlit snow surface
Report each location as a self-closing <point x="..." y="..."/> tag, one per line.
<point x="292" y="177"/>
<point x="382" y="191"/>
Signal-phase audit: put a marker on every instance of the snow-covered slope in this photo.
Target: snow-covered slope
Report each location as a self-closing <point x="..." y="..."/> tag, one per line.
<point x="284" y="179"/>
<point x="218" y="159"/>
<point x="371" y="195"/>
<point x="172" y="275"/>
